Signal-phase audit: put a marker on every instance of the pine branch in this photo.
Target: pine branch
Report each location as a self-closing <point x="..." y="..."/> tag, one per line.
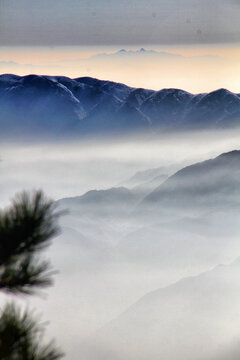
<point x="20" y="337"/>
<point x="25" y="275"/>
<point x="26" y="228"/>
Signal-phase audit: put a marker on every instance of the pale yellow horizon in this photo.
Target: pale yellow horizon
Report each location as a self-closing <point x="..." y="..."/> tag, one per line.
<point x="197" y="69"/>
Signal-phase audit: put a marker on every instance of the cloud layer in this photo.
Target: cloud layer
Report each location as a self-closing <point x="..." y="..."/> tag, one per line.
<point x="108" y="22"/>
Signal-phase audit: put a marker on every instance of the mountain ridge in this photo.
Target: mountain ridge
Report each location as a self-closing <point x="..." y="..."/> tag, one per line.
<point x="204" y="184"/>
<point x="60" y="105"/>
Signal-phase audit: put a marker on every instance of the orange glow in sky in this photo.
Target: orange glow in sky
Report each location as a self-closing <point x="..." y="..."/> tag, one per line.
<point x="198" y="69"/>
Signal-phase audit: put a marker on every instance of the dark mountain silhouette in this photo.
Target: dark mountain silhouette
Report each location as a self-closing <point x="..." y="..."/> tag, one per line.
<point x="51" y="105"/>
<point x="166" y="107"/>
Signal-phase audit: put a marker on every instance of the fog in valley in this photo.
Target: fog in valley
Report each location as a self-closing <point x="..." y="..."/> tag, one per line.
<point x="65" y="169"/>
<point x="148" y="255"/>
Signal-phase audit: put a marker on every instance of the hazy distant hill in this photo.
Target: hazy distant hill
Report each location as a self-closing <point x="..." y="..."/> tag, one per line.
<point x="190" y="219"/>
<point x="102" y="203"/>
<point x="145" y="176"/>
<point x="136" y="253"/>
<point x="57" y="105"/>
<point x="195" y="318"/>
<point x="209" y="185"/>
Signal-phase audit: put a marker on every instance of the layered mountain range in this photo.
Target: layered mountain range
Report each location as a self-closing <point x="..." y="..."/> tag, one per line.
<point x="170" y="240"/>
<point x="165" y="220"/>
<point x="35" y="104"/>
<point x="207" y="186"/>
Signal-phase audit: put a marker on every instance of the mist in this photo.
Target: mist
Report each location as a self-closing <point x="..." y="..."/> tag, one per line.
<point x="64" y="169"/>
<point x="116" y="249"/>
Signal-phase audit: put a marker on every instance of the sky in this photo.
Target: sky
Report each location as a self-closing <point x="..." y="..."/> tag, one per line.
<point x="113" y="22"/>
<point x="59" y="37"/>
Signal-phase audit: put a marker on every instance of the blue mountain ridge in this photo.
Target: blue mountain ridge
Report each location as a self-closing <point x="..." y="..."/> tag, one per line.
<point x="60" y="105"/>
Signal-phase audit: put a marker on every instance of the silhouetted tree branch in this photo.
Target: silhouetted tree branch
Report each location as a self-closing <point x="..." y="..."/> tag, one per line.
<point x="20" y="337"/>
<point x="26" y="228"/>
